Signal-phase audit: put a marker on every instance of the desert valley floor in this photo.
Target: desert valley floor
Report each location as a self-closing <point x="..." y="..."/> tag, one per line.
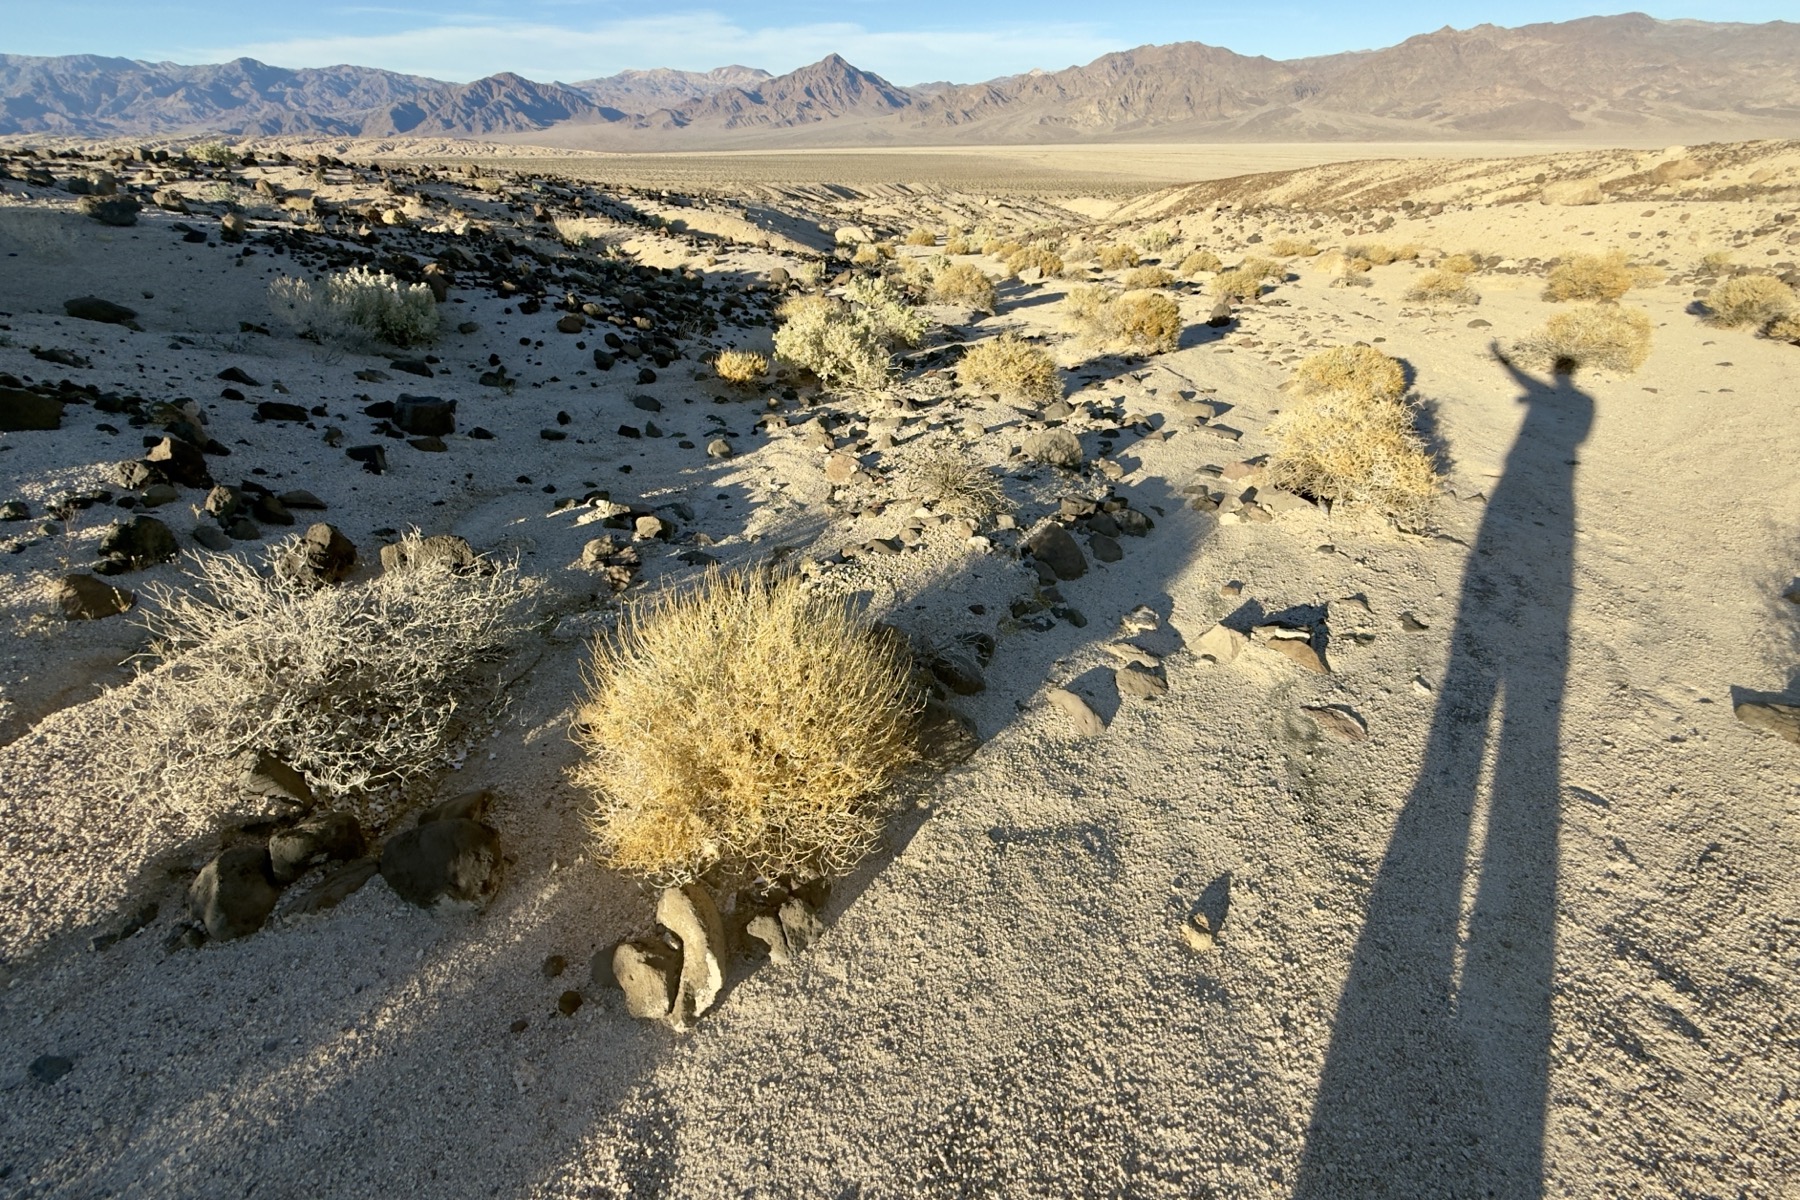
<point x="1501" y="896"/>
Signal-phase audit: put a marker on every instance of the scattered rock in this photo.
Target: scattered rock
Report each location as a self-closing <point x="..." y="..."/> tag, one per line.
<point x="1051" y="545"/>
<point x="1106" y="549"/>
<point x="111" y="210"/>
<point x="337" y="886"/>
<point x="455" y="860"/>
<point x="464" y="806"/>
<point x="180" y="461"/>
<point x="958" y="672"/>
<point x="444" y="550"/>
<point x="1782" y="720"/>
<point x="718" y="448"/>
<point x="1297" y="650"/>
<point x="321" y="556"/>
<point x="1083" y="719"/>
<point x="800" y="924"/>
<point x="48" y="1068"/>
<point x="93" y="308"/>
<point x="766" y="928"/>
<point x="269" y="779"/>
<point x="1338" y="722"/>
<point x="689" y="913"/>
<point x="1140" y="682"/>
<point x="327" y="837"/>
<point x="1412" y="624"/>
<point x="649" y="974"/>
<point x="89" y="598"/>
<point x="135" y="544"/>
<point x="22" y="411"/>
<point x="234" y="893"/>
<point x="946" y="736"/>
<point x="1056" y="447"/>
<point x="1220" y="644"/>
<point x="426" y="416"/>
<point x="568" y="1002"/>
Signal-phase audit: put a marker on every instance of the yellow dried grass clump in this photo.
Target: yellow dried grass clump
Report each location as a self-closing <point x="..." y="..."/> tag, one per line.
<point x="1462" y="264"/>
<point x="921" y="236"/>
<point x="999" y="248"/>
<point x="1012" y="367"/>
<point x="1597" y="335"/>
<point x="1027" y="258"/>
<point x="1148" y="277"/>
<point x="1356" y="370"/>
<point x="1287" y="247"/>
<point x="1198" y="261"/>
<point x="1590" y="277"/>
<point x="1443" y="287"/>
<point x="1381" y="254"/>
<point x="745" y="727"/>
<point x="958" y="244"/>
<point x="741" y="368"/>
<point x="1143" y="322"/>
<point x="1237" y="285"/>
<point x="1113" y="257"/>
<point x="1784" y="329"/>
<point x="964" y="283"/>
<point x="1758" y="300"/>
<point x="1350" y="434"/>
<point x="1340" y="445"/>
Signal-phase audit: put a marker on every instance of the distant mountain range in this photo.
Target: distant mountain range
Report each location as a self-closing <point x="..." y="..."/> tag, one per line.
<point x="1624" y="74"/>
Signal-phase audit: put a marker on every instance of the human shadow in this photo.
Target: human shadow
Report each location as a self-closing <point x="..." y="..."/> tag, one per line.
<point x="1436" y="1078"/>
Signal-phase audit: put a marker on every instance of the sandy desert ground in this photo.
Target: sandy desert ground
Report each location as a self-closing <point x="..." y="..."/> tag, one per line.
<point x="1503" y="901"/>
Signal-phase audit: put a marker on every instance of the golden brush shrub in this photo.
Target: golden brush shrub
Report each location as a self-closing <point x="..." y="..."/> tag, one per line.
<point x="1354" y="370"/>
<point x="1027" y="258"/>
<point x="1147" y="277"/>
<point x="1285" y="247"/>
<point x="1443" y="287"/>
<point x="1380" y="254"/>
<point x="1590" y="277"/>
<point x="1350" y="445"/>
<point x="921" y="236"/>
<point x="1757" y="300"/>
<point x="1592" y="335"/>
<point x="1462" y="264"/>
<point x="741" y="368"/>
<point x="1149" y="322"/>
<point x="964" y="283"/>
<point x="1198" y="261"/>
<point x="744" y="727"/>
<point x="1111" y="258"/>
<point x="958" y="244"/>
<point x="1237" y="285"/>
<point x="1012" y="367"/>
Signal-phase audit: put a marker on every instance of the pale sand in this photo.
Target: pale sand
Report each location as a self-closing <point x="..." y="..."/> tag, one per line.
<point x="1002" y="1005"/>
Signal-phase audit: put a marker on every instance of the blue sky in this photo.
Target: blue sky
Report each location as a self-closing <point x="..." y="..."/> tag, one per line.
<point x="908" y="42"/>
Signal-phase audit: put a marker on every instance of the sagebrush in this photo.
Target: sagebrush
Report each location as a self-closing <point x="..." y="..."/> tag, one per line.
<point x="356" y="307"/>
<point x="1113" y="257"/>
<point x="921" y="236"/>
<point x="745" y="727"/>
<point x="1143" y="322"/>
<point x="1591" y="277"/>
<point x="1012" y="367"/>
<point x="1147" y="277"/>
<point x="1443" y="287"/>
<point x="1198" y="261"/>
<point x="849" y="341"/>
<point x="955" y="484"/>
<point x="357" y="685"/>
<point x="1358" y="370"/>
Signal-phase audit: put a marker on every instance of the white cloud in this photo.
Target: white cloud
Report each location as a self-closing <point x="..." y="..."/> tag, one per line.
<point x="461" y="50"/>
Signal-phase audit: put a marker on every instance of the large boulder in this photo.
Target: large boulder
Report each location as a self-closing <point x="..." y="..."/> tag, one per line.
<point x="1051" y="545"/>
<point x="90" y="598"/>
<point x="21" y="411"/>
<point x="327" y="837"/>
<point x="135" y="544"/>
<point x="454" y="860"/>
<point x="321" y="556"/>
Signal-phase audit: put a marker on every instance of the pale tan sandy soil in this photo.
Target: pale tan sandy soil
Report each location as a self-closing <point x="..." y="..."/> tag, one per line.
<point x="1534" y="936"/>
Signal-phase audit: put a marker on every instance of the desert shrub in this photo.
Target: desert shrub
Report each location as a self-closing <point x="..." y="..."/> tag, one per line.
<point x="955" y="484"/>
<point x="958" y="244"/>
<point x="808" y="273"/>
<point x="848" y="341"/>
<point x="1462" y="264"/>
<point x="358" y="685"/>
<point x="1716" y="261"/>
<point x="1590" y="277"/>
<point x="1000" y="248"/>
<point x="964" y="283"/>
<point x="1111" y="258"/>
<point x="1784" y="328"/>
<point x="1336" y="262"/>
<point x="1262" y="268"/>
<point x="216" y="153"/>
<point x="1750" y="300"/>
<point x="1352" y="370"/>
<point x="1287" y="247"/>
<point x="1155" y="240"/>
<point x="745" y="727"/>
<point x="1145" y="321"/>
<point x="1354" y="445"/>
<point x="1443" y="287"/>
<point x="1237" y="285"/>
<point x="1591" y="335"/>
<point x="741" y="368"/>
<point x="894" y="321"/>
<point x="1147" y="277"/>
<point x="1012" y="367"/>
<point x="1198" y="261"/>
<point x="1026" y="258"/>
<point x="1088" y="302"/>
<point x="866" y="256"/>
<point x="1381" y="254"/>
<point x="921" y="236"/>
<point x="356" y="307"/>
